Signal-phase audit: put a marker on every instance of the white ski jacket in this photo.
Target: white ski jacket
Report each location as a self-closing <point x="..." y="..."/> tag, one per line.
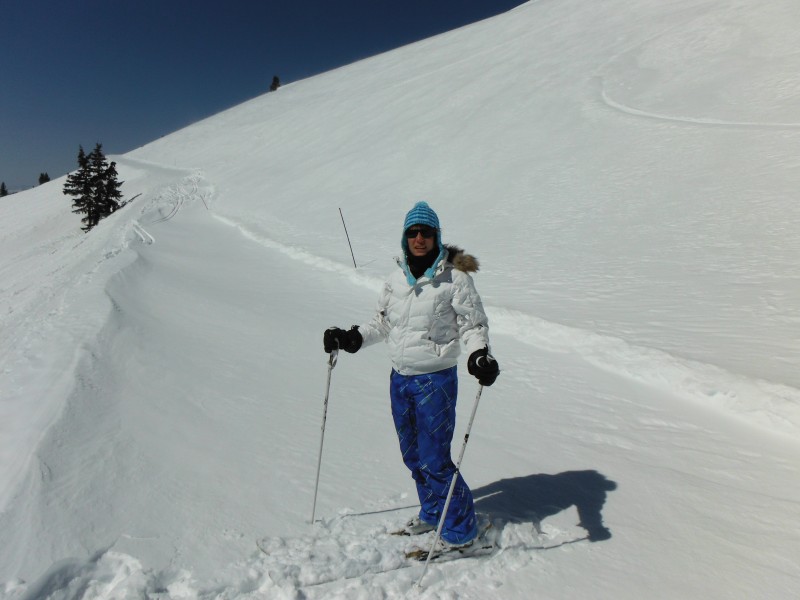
<point x="424" y="323"/>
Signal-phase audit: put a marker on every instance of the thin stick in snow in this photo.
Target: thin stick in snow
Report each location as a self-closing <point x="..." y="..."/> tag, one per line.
<point x="348" y="239"/>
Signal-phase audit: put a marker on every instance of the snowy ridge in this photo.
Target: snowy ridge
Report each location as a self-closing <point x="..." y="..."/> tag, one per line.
<point x="38" y="319"/>
<point x="75" y="264"/>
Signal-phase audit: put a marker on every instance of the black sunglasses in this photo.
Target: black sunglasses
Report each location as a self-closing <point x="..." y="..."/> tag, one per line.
<point x="426" y="230"/>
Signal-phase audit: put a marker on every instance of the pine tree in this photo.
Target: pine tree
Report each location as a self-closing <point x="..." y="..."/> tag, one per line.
<point x="110" y="191"/>
<point x="43" y="178"/>
<point x="3" y="189"/>
<point x="94" y="186"/>
<point x="77" y="185"/>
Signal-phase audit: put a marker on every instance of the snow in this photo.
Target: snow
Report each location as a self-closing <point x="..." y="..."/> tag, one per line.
<point x="626" y="172"/>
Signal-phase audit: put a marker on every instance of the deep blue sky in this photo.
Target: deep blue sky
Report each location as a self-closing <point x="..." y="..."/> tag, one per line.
<point x="125" y="72"/>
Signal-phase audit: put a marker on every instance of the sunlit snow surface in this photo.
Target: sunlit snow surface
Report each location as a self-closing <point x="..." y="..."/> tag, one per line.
<point x="627" y="174"/>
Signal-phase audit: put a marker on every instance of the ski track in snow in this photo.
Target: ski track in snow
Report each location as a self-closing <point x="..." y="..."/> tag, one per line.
<point x="703" y="121"/>
<point x="774" y="407"/>
<point x="704" y="47"/>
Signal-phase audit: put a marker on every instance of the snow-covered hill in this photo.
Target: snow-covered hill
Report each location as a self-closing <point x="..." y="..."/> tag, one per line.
<point x="625" y="171"/>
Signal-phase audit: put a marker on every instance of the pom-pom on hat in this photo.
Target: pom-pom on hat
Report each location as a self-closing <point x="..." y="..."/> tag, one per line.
<point x="421" y="214"/>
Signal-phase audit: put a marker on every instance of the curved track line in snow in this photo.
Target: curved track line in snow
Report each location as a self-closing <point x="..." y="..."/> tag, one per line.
<point x="636" y="112"/>
<point x="181" y="185"/>
<point x="664" y="117"/>
<point x="774" y="407"/>
<point x="187" y="190"/>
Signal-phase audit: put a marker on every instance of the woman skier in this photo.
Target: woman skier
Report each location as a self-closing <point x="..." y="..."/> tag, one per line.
<point x="427" y="308"/>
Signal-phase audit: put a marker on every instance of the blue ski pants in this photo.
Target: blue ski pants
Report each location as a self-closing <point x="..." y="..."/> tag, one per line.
<point x="424" y="413"/>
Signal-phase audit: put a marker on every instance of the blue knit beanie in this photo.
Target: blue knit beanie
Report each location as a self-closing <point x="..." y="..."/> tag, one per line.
<point x="422" y="214"/>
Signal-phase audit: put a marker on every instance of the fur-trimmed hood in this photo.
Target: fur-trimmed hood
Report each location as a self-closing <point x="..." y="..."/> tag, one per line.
<point x="461" y="260"/>
<point x="454" y="255"/>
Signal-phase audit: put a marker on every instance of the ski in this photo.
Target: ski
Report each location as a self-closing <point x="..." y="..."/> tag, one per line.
<point x="480" y="547"/>
<point x="446" y="554"/>
<point x="405" y="531"/>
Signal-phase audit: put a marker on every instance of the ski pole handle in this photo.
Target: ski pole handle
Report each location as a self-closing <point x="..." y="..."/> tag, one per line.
<point x="332" y="358"/>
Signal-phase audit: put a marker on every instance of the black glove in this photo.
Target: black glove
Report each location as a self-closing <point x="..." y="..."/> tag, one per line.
<point x="349" y="341"/>
<point x="482" y="365"/>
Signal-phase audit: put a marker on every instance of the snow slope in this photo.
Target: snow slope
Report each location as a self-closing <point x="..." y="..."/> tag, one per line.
<point x="625" y="171"/>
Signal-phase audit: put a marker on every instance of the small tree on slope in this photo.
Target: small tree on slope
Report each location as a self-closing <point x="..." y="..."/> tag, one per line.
<point x="94" y="187"/>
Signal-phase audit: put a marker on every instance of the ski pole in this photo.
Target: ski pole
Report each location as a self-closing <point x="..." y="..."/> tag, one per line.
<point x="331" y="363"/>
<point x="450" y="491"/>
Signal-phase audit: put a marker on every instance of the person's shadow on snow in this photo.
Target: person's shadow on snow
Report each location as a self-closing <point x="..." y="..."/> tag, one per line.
<point x="535" y="497"/>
